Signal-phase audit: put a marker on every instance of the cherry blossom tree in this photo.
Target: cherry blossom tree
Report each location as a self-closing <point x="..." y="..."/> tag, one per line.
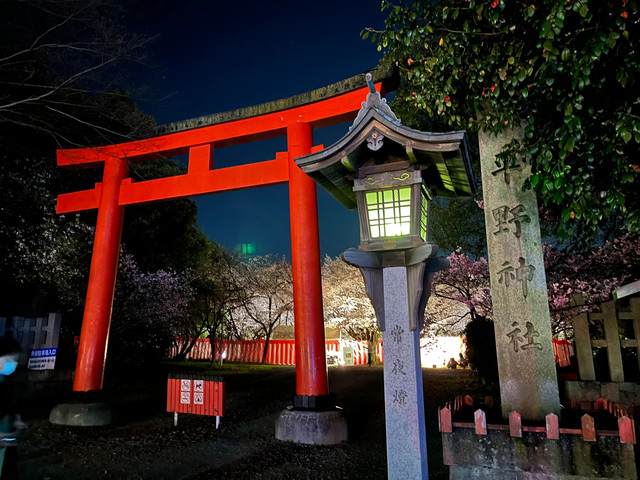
<point x="267" y="300"/>
<point x="347" y="306"/>
<point x="345" y="300"/>
<point x="148" y="309"/>
<point x="593" y="275"/>
<point x="216" y="294"/>
<point x="465" y="282"/>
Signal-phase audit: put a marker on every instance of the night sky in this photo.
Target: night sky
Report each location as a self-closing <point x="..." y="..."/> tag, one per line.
<point x="214" y="56"/>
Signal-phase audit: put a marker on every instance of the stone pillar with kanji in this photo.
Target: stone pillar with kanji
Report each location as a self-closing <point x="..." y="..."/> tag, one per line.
<point x="399" y="285"/>
<point x="526" y="363"/>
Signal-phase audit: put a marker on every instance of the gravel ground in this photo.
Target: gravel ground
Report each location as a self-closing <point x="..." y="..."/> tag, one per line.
<point x="142" y="443"/>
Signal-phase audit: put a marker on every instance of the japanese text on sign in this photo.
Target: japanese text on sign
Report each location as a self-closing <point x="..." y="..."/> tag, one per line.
<point x="523" y="341"/>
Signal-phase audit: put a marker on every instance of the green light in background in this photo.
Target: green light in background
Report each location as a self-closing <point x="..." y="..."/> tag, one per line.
<point x="249" y="249"/>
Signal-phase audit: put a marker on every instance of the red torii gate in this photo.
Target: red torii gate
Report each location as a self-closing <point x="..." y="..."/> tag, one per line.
<point x="117" y="190"/>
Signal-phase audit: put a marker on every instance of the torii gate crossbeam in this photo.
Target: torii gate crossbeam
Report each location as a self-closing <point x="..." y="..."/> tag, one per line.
<point x="117" y="190"/>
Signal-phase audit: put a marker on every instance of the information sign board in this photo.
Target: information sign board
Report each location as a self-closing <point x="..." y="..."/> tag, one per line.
<point x="42" y="359"/>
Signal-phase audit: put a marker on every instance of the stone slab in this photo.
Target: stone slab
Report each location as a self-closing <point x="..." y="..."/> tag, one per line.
<point x="312" y="428"/>
<point x="498" y="455"/>
<point x="81" y="414"/>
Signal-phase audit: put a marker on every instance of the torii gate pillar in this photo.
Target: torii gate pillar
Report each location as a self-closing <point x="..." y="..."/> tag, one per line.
<point x="92" y="352"/>
<point x="311" y="367"/>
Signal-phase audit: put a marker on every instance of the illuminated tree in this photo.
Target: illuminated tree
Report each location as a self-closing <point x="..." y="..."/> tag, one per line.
<point x="266" y="284"/>
<point x="347" y="306"/>
<point x="216" y="294"/>
<point x="593" y="275"/>
<point x="467" y="283"/>
<point x="345" y="301"/>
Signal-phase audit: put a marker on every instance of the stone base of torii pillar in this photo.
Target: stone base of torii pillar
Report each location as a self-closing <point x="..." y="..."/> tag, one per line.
<point x="311" y="427"/>
<point x="399" y="285"/>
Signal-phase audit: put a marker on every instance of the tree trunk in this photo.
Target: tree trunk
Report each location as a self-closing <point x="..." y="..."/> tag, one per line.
<point x="266" y="348"/>
<point x="221" y="345"/>
<point x="372" y="344"/>
<point x="212" y="343"/>
<point x="186" y="348"/>
<point x="266" y="343"/>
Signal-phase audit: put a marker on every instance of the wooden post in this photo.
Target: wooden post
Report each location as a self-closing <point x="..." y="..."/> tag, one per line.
<point x="583" y="344"/>
<point x="444" y="420"/>
<point x="627" y="430"/>
<point x="515" y="424"/>
<point x="588" y="428"/>
<point x="614" y="353"/>
<point x="553" y="428"/>
<point x="480" y="419"/>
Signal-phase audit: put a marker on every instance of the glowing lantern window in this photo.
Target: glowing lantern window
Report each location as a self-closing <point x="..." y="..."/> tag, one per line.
<point x="389" y="212"/>
<point x="393" y="208"/>
<point x="424" y="214"/>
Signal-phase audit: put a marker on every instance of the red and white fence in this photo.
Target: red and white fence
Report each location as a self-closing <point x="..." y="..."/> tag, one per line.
<point x="280" y="352"/>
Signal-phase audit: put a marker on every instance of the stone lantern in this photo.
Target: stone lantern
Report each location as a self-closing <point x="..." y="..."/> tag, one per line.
<point x="390" y="173"/>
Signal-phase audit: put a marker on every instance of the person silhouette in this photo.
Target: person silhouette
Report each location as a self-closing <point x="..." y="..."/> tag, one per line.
<point x="10" y="422"/>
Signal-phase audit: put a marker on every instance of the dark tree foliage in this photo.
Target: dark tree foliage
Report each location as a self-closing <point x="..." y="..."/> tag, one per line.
<point x="566" y="70"/>
<point x="60" y="64"/>
<point x="163" y="234"/>
<point x="481" y="349"/>
<point x="458" y="223"/>
<point x="44" y="257"/>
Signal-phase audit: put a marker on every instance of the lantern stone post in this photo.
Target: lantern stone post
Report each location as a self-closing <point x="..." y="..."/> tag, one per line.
<point x="390" y="173"/>
<point x="399" y="284"/>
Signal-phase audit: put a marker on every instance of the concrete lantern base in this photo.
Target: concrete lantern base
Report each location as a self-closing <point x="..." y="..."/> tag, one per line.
<point x="312" y="428"/>
<point x="81" y="414"/>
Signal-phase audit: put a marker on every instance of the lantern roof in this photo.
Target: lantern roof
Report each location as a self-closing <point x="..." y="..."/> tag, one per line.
<point x="376" y="140"/>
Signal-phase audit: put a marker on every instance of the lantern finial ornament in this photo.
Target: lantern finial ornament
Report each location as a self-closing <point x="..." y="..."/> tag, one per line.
<point x="375" y="100"/>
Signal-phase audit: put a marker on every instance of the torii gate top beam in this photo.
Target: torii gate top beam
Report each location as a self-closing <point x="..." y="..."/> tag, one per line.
<point x="323" y="107"/>
<point x="199" y="137"/>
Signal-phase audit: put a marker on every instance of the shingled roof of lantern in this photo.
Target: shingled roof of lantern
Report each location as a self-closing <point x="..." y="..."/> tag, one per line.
<point x="376" y="137"/>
